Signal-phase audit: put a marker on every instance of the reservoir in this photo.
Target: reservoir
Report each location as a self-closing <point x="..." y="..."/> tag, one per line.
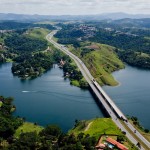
<point x="48" y="99"/>
<point x="132" y="96"/>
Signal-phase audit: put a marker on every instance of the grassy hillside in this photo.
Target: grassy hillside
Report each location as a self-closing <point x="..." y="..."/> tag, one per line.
<point x="38" y="32"/>
<point x="101" y="60"/>
<point x="96" y="127"/>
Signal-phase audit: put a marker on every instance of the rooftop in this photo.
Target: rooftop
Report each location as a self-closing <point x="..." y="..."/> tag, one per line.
<point x="119" y="145"/>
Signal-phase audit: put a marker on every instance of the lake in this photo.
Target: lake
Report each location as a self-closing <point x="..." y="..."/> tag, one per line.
<point x="48" y="99"/>
<point x="132" y="96"/>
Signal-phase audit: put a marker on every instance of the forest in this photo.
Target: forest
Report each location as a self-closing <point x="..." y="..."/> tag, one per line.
<point x="27" y="65"/>
<point x="122" y="40"/>
<point x="130" y="37"/>
<point x="137" y="59"/>
<point x="12" y="25"/>
<point x="69" y="35"/>
<point x="22" y="43"/>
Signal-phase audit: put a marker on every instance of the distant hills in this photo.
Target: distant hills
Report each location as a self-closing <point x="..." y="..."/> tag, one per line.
<point x="120" y="15"/>
<point x="106" y="16"/>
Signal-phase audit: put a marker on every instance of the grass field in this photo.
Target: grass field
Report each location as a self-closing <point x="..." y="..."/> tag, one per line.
<point x="28" y="127"/>
<point x="96" y="127"/>
<point x="101" y="126"/>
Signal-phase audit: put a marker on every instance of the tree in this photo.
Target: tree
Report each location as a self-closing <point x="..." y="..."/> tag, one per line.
<point x="51" y="132"/>
<point x="26" y="141"/>
<point x="80" y="136"/>
<point x="120" y="138"/>
<point x="146" y="130"/>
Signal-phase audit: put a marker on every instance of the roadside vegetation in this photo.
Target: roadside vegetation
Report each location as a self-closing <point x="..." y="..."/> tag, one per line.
<point x="101" y="127"/>
<point x="135" y="122"/>
<point x="38" y="32"/>
<point x="100" y="59"/>
<point x="73" y="73"/>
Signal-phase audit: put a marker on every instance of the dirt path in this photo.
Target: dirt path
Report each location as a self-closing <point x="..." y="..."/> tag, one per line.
<point x="88" y="126"/>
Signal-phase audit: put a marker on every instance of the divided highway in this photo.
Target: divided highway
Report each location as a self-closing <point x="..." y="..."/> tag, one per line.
<point x="113" y="111"/>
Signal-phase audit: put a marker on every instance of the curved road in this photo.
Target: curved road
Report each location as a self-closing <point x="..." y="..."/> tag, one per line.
<point x="87" y="75"/>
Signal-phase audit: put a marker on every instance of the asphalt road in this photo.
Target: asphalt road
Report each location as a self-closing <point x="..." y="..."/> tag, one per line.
<point x="87" y="75"/>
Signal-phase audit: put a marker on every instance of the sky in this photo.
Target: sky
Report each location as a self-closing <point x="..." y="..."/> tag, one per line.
<point x="74" y="7"/>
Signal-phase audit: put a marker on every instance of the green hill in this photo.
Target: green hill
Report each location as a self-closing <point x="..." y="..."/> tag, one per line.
<point x="38" y="32"/>
<point x="101" y="60"/>
<point x="96" y="127"/>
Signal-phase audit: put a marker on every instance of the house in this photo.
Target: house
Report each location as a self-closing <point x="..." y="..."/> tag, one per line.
<point x="112" y="143"/>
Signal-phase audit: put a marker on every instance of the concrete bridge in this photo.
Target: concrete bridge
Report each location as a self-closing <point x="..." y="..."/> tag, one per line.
<point x="111" y="108"/>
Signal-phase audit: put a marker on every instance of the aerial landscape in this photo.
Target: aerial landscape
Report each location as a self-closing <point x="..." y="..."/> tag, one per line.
<point x="74" y="75"/>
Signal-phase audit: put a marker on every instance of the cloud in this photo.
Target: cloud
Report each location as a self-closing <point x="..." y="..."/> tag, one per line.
<point x="59" y="7"/>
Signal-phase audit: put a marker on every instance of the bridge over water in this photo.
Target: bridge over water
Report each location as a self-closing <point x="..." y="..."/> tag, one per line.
<point x="111" y="108"/>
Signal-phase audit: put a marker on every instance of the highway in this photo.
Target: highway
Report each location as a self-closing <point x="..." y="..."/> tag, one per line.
<point x="98" y="90"/>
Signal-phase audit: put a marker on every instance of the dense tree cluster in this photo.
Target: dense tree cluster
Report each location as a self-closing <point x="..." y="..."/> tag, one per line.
<point x="122" y="41"/>
<point x="130" y="39"/>
<point x="74" y="74"/>
<point x="8" y="123"/>
<point x="69" y="41"/>
<point x="12" y="25"/>
<point x="28" y="65"/>
<point x="135" y="59"/>
<point x="85" y="51"/>
<point x="69" y="35"/>
<point x="25" y="43"/>
<point x="70" y="31"/>
<point x="72" y="70"/>
<point x="52" y="138"/>
<point x="138" y="125"/>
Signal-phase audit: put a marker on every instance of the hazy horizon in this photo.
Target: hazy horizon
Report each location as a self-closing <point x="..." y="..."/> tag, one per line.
<point x="75" y="14"/>
<point x="74" y="7"/>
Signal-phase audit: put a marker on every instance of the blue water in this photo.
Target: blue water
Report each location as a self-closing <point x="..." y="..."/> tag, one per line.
<point x="48" y="99"/>
<point x="133" y="94"/>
